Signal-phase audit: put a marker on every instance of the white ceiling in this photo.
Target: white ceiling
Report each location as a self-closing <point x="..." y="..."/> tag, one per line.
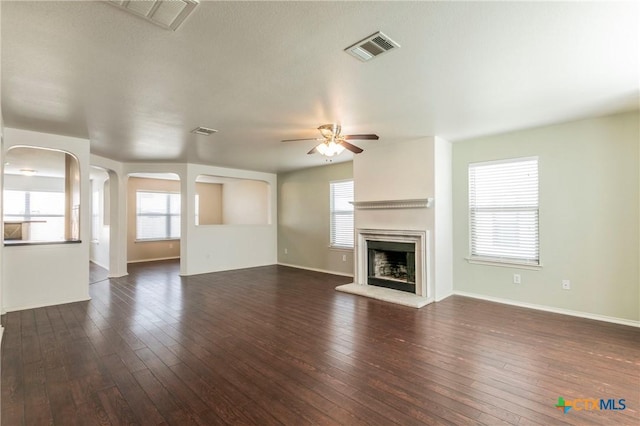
<point x="260" y="72"/>
<point x="44" y="162"/>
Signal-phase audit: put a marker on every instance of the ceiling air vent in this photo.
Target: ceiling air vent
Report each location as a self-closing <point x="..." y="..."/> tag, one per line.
<point x="168" y="14"/>
<point x="204" y="131"/>
<point x="372" y="46"/>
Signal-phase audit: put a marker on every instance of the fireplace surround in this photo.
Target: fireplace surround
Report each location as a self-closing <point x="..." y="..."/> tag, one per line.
<point x="408" y="243"/>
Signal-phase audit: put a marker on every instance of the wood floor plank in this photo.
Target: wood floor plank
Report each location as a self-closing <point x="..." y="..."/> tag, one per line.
<point x="276" y="345"/>
<point x="117" y="407"/>
<point x="36" y="405"/>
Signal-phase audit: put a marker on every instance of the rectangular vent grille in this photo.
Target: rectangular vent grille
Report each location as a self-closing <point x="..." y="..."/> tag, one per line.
<point x="204" y="131"/>
<point x="168" y="14"/>
<point x="371" y="47"/>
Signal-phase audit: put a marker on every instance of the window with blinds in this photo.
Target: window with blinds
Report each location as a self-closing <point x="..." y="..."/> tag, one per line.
<point x="341" y="214"/>
<point x="157" y="215"/>
<point x="503" y="211"/>
<point x="44" y="212"/>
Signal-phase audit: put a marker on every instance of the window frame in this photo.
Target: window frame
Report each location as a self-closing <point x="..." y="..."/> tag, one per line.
<point x="332" y="213"/>
<point x="515" y="262"/>
<point x="168" y="215"/>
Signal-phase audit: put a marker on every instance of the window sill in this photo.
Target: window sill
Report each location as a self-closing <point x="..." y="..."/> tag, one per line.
<point x="504" y="263"/>
<point x="237" y="225"/>
<point x="340" y="248"/>
<point x="155" y="240"/>
<point x="16" y="243"/>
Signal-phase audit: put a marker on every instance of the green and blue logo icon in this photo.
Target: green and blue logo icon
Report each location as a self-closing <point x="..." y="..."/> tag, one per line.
<point x="562" y="405"/>
<point x="590" y="404"/>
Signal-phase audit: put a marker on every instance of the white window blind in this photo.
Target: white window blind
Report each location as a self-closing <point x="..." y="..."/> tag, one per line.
<point x="503" y="211"/>
<point x="341" y="214"/>
<point x="158" y="215"/>
<point x="43" y="210"/>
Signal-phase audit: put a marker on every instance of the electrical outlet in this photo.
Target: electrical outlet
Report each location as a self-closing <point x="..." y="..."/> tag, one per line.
<point x="566" y="285"/>
<point x="170" y="245"/>
<point x="286" y="251"/>
<point x="516" y="279"/>
<point x="344" y="257"/>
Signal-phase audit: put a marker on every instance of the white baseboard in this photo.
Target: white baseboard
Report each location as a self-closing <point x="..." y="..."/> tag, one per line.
<point x="234" y="268"/>
<point x="118" y="276"/>
<point x="153" y="260"/>
<point x="579" y="314"/>
<point x="60" y="302"/>
<point x="316" y="270"/>
<point x="440" y="299"/>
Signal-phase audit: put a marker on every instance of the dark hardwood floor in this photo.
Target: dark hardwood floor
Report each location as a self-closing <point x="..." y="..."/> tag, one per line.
<point x="276" y="345"/>
<point x="97" y="273"/>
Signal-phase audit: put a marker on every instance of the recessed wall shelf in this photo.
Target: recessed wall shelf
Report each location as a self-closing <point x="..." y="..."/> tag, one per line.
<point x="414" y="203"/>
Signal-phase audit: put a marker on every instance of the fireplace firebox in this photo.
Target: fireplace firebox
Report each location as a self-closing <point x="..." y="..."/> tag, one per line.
<point x="392" y="265"/>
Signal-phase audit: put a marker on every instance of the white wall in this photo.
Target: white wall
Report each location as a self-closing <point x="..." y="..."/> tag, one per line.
<point x="66" y="265"/>
<point x="589" y="217"/>
<point x="34" y="183"/>
<point x="410" y="170"/>
<point x="99" y="247"/>
<point x="117" y="214"/>
<point x="443" y="221"/>
<point x="210" y="248"/>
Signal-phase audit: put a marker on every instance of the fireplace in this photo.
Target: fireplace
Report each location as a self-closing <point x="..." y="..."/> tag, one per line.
<point x="392" y="265"/>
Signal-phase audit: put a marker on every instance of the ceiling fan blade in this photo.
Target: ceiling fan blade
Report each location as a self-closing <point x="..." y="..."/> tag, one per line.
<point x="352" y="148"/>
<point x="306" y="139"/>
<point x="369" y="137"/>
<point x="313" y="150"/>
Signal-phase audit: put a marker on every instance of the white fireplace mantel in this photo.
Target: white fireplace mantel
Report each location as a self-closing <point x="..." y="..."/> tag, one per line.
<point x="413" y="203"/>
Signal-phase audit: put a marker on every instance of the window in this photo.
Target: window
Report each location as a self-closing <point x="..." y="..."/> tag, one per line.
<point x="158" y="215"/>
<point x="43" y="211"/>
<point x="503" y="211"/>
<point x="341" y="211"/>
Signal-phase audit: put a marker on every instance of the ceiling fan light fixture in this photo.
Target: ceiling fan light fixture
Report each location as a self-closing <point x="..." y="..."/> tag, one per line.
<point x="333" y="142"/>
<point x="330" y="130"/>
<point x="329" y="149"/>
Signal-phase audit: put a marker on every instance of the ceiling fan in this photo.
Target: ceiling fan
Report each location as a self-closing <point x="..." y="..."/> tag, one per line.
<point x="333" y="143"/>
